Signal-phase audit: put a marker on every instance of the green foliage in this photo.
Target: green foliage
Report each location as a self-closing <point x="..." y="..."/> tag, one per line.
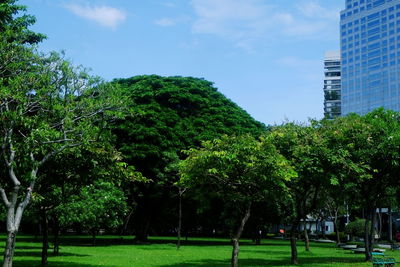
<point x="98" y="205"/>
<point x="172" y="114"/>
<point x="237" y="169"/>
<point x="369" y="144"/>
<point x="356" y="228"/>
<point x="62" y="107"/>
<point x="14" y="29"/>
<point x="306" y="150"/>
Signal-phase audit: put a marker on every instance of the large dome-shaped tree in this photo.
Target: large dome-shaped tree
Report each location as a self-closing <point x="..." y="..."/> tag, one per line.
<point x="171" y="114"/>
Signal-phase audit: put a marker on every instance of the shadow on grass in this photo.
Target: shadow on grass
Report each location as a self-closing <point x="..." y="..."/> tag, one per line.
<point x="27" y="247"/>
<point x="263" y="262"/>
<point x="104" y="241"/>
<point x="36" y="263"/>
<point x="19" y="253"/>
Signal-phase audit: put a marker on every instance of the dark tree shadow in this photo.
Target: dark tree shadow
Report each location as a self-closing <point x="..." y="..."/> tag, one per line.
<point x="315" y="261"/>
<point x="36" y="263"/>
<point x="38" y="254"/>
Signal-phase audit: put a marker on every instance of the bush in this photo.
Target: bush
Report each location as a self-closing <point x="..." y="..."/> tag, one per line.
<point x="356" y="228"/>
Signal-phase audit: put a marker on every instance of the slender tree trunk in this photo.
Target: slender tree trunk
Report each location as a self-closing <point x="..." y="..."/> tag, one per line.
<point x="293" y="246"/>
<point x="390" y="232"/>
<point x="14" y="216"/>
<point x="373" y="229"/>
<point x="178" y="244"/>
<point x="368" y="239"/>
<point x="323" y="228"/>
<point x="335" y="225"/>
<point x="56" y="241"/>
<point x="316" y="229"/>
<point x="124" y="229"/>
<point x="45" y="234"/>
<point x="94" y="237"/>
<point x="236" y="237"/>
<point x="380" y="223"/>
<point x="306" y="238"/>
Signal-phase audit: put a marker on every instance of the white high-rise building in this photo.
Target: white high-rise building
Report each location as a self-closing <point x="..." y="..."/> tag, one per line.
<point x="332" y="85"/>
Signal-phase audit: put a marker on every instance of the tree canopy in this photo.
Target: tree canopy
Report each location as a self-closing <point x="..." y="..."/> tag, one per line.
<point x="172" y="114"/>
<point x="239" y="170"/>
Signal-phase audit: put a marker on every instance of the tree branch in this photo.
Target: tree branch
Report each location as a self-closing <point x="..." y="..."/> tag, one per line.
<point x="51" y="154"/>
<point x="4" y="197"/>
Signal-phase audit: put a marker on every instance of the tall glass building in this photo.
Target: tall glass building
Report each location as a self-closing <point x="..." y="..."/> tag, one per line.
<point x="332" y="88"/>
<point x="370" y="51"/>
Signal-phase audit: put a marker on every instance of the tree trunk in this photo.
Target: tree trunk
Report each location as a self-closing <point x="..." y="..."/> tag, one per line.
<point x="142" y="230"/>
<point x="124" y="229"/>
<point x="372" y="229"/>
<point x="236" y="237"/>
<point x="56" y="241"/>
<point x="14" y="216"/>
<point x="316" y="229"/>
<point x="293" y="246"/>
<point x="45" y="234"/>
<point x="335" y="225"/>
<point x="94" y="237"/>
<point x="9" y="250"/>
<point x="178" y="244"/>
<point x="380" y="223"/>
<point x="367" y="237"/>
<point x="390" y="232"/>
<point x="323" y="228"/>
<point x="306" y="238"/>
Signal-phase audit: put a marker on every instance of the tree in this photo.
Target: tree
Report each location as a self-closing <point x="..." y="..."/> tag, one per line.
<point x="46" y="106"/>
<point x="307" y="152"/>
<point x="172" y="114"/>
<point x="14" y="31"/>
<point x="62" y="179"/>
<point x="240" y="171"/>
<point x="98" y="205"/>
<point x="356" y="228"/>
<point x="370" y="144"/>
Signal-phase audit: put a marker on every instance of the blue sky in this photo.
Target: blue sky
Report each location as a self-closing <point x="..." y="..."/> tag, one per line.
<point x="265" y="55"/>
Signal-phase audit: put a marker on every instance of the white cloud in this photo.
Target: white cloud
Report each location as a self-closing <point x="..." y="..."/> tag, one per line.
<point x="170" y="21"/>
<point x="106" y="16"/>
<point x="313" y="9"/>
<point x="233" y="18"/>
<point x="165" y="22"/>
<point x="168" y="4"/>
<point x="246" y="22"/>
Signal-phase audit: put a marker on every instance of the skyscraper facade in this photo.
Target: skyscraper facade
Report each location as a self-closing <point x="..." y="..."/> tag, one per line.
<point x="332" y="88"/>
<point x="370" y="52"/>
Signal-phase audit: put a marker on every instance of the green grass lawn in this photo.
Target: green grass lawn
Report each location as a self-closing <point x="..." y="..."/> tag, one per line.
<point x="162" y="252"/>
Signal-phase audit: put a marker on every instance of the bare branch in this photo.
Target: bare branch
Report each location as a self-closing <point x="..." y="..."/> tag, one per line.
<point x="55" y="152"/>
<point x="4" y="197"/>
<point x="28" y="194"/>
<point x="58" y="141"/>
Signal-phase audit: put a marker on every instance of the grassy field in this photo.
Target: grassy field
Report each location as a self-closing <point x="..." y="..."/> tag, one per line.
<point x="161" y="252"/>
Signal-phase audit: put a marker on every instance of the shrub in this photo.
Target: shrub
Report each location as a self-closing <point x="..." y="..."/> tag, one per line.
<point x="356" y="228"/>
